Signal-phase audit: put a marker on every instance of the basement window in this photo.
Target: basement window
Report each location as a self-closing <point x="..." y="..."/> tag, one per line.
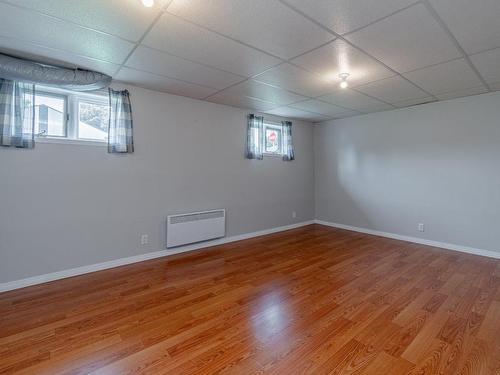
<point x="62" y="115"/>
<point x="273" y="139"/>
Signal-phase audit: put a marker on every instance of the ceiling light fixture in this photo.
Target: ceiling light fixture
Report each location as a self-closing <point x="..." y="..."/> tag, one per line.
<point x="148" y="3"/>
<point x="343" y="83"/>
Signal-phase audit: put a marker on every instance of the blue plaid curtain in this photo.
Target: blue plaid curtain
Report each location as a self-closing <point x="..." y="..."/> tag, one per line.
<point x="255" y="137"/>
<point x="288" y="153"/>
<point x="120" y="129"/>
<point x="17" y="115"/>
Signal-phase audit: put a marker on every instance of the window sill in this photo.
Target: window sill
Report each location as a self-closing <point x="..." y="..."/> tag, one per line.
<point x="66" y="141"/>
<point x="279" y="156"/>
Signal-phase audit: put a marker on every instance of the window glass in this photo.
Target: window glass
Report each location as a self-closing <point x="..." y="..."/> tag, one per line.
<point x="272" y="139"/>
<point x="71" y="115"/>
<point x="93" y="120"/>
<point x="50" y="115"/>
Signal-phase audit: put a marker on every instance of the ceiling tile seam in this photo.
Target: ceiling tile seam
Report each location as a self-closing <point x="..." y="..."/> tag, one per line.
<point x="308" y="111"/>
<point x="353" y="45"/>
<point x="372" y="97"/>
<point x="282" y="60"/>
<point x="303" y="110"/>
<point x="318" y="98"/>
<point x="433" y="65"/>
<point x="64" y="20"/>
<point x="461" y="90"/>
<point x="117" y="36"/>
<point x="138" y="43"/>
<point x="225" y="88"/>
<point x="431" y="100"/>
<point x="172" y="78"/>
<point x="322" y="101"/>
<point x="307" y="98"/>
<point x="265" y="83"/>
<point x="289" y="60"/>
<point x="60" y="50"/>
<point x="262" y="100"/>
<point x="352" y="86"/>
<point x="443" y="25"/>
<point x="484" y="51"/>
<point x="381" y="19"/>
<point x="309" y="51"/>
<point x="224" y="35"/>
<point x="359" y="92"/>
<point x="190" y="60"/>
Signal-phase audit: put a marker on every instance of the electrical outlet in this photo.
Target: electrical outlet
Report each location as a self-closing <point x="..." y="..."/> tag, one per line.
<point x="294" y="214"/>
<point x="144" y="239"/>
<point x="421" y="227"/>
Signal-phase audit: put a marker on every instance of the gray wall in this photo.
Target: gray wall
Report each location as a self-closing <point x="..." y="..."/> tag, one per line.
<point x="437" y="164"/>
<point x="64" y="206"/>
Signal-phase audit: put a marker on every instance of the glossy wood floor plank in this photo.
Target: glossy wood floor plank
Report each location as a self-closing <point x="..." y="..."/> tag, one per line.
<point x="314" y="300"/>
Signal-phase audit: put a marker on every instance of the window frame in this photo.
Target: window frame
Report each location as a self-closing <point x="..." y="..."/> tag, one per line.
<point x="72" y="100"/>
<point x="277" y="126"/>
<point x="90" y="100"/>
<point x="64" y="113"/>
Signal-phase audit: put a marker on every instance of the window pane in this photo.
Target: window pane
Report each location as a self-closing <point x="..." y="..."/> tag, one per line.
<point x="93" y="121"/>
<point x="273" y="140"/>
<point x="50" y="115"/>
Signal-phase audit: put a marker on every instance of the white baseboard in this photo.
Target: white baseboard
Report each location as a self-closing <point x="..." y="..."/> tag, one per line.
<point x="11" y="285"/>
<point x="422" y="241"/>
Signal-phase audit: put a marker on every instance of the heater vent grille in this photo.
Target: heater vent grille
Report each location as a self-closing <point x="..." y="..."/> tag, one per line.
<point x="195" y="217"/>
<point x="194" y="227"/>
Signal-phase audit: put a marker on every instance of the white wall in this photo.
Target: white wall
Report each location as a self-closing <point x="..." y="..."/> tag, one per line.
<point x="65" y="206"/>
<point x="437" y="164"/>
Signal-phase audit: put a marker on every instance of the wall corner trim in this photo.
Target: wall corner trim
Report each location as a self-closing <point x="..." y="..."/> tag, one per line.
<point x="422" y="241"/>
<point x="40" y="279"/>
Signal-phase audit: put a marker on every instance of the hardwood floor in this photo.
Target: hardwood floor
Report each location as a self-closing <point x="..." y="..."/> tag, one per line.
<point x="314" y="300"/>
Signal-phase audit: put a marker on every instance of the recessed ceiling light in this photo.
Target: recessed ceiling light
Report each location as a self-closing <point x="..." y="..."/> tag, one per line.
<point x="343" y="83"/>
<point x="148" y="3"/>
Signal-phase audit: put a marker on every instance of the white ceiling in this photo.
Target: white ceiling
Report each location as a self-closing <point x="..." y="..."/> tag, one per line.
<point x="281" y="57"/>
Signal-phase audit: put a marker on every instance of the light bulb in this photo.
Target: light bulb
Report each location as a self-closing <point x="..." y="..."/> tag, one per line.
<point x="148" y="3"/>
<point x="343" y="83"/>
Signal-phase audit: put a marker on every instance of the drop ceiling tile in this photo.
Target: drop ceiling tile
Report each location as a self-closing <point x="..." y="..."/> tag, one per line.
<point x="392" y="90"/>
<point x="264" y="92"/>
<point x="317" y="106"/>
<point x="53" y="56"/>
<point x="290" y="112"/>
<point x="446" y="77"/>
<point x="347" y="114"/>
<point x="52" y="33"/>
<point x="297" y="80"/>
<point x="406" y="41"/>
<point x="462" y="93"/>
<point x="265" y="24"/>
<point x="339" y="57"/>
<point x="473" y="22"/>
<point x="164" y="84"/>
<point x="241" y="101"/>
<point x="412" y="102"/>
<point x="162" y="63"/>
<point x="354" y="100"/>
<point x="343" y="16"/>
<point x="128" y="19"/>
<point x="179" y="37"/>
<point x="487" y="63"/>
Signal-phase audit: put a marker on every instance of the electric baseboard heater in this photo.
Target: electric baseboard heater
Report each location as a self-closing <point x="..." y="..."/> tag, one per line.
<point x="194" y="227"/>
